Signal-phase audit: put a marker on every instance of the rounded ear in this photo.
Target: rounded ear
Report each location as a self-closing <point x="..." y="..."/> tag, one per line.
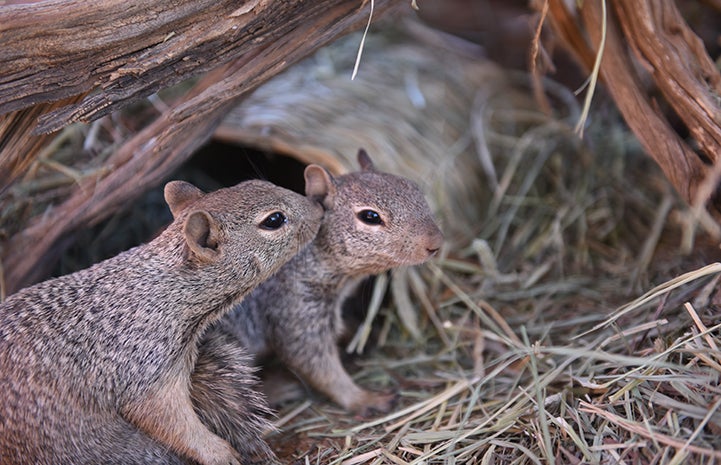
<point x="180" y="194"/>
<point x="201" y="235"/>
<point x="319" y="184"/>
<point x="364" y="160"/>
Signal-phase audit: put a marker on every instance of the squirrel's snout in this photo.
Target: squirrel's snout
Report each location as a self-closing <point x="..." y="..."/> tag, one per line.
<point x="435" y="242"/>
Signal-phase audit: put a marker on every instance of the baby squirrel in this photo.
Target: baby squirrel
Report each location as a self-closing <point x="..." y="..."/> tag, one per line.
<point x="96" y="365"/>
<point x="373" y="221"/>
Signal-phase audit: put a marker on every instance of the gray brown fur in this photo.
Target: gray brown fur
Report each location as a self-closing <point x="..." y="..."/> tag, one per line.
<point x="297" y="313"/>
<point x="96" y="365"/>
<point x="225" y="394"/>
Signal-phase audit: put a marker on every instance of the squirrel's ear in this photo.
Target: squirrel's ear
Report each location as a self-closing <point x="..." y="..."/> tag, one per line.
<point x="180" y="194"/>
<point x="364" y="160"/>
<point x="201" y="235"/>
<point x="319" y="184"/>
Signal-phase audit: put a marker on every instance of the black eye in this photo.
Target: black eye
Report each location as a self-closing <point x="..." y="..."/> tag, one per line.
<point x="370" y="217"/>
<point x="273" y="221"/>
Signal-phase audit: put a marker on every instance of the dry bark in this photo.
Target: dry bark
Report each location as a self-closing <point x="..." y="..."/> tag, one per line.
<point x="125" y="50"/>
<point x="654" y="34"/>
<point x="269" y="37"/>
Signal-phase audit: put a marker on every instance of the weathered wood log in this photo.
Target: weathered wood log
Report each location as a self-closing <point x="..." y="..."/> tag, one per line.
<point x="654" y="34"/>
<point x="679" y="163"/>
<point x="124" y="50"/>
<point x="276" y="35"/>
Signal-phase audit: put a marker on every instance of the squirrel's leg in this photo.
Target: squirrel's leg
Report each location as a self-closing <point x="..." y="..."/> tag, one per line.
<point x="315" y="358"/>
<point x="225" y="395"/>
<point x="167" y="416"/>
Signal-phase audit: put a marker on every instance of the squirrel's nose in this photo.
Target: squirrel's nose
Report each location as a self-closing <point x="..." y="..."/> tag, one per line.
<point x="434" y="241"/>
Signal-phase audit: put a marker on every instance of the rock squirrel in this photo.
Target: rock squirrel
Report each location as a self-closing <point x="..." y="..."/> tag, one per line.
<point x="373" y="221"/>
<point x="96" y="365"/>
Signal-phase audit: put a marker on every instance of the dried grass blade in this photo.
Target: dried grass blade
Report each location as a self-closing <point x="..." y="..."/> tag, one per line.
<point x="401" y="299"/>
<point x="362" y="42"/>
<point x="413" y="410"/>
<point x="547" y="448"/>
<point x="642" y="430"/>
<point x="594" y="74"/>
<point x="635" y="330"/>
<point x="580" y="443"/>
<point x="649" y="245"/>
<point x="709" y="340"/>
<point x="363" y="457"/>
<point x="657" y="291"/>
<point x="419" y="288"/>
<point x="393" y="458"/>
<point x="292" y="414"/>
<point x="358" y="342"/>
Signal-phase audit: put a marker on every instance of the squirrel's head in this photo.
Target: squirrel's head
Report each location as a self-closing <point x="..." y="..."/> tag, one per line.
<point x="245" y="232"/>
<point x="373" y="221"/>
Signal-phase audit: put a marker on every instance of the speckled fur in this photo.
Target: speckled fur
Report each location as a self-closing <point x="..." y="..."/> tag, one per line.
<point x="96" y="365"/>
<point x="226" y="397"/>
<point x="297" y="313"/>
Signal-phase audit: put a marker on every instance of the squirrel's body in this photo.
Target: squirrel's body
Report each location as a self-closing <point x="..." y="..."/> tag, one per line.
<point x="373" y="221"/>
<point x="96" y="365"/>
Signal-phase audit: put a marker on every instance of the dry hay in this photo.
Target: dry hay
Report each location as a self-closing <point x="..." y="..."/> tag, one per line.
<point x="571" y="318"/>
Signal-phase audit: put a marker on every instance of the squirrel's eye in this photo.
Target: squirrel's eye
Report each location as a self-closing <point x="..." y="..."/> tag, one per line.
<point x="370" y="217"/>
<point x="273" y="221"/>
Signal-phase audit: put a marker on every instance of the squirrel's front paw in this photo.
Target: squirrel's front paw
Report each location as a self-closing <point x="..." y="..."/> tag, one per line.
<point x="222" y="454"/>
<point x="373" y="403"/>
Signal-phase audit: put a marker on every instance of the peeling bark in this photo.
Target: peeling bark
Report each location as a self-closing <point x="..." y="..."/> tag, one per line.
<point x="654" y="34"/>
